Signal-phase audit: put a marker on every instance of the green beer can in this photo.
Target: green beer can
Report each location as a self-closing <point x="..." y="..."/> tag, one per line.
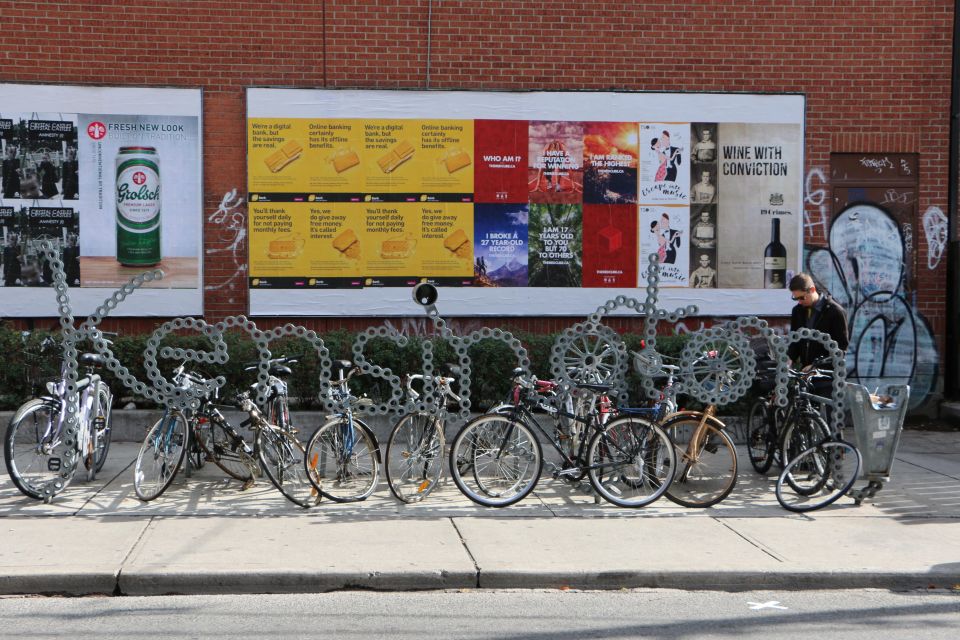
<point x="138" y="206"/>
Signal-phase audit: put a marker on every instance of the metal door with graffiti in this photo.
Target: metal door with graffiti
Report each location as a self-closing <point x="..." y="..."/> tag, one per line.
<point x="870" y="266"/>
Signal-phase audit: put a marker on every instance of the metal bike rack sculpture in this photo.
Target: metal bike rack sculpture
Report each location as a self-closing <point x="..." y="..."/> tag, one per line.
<point x="717" y="364"/>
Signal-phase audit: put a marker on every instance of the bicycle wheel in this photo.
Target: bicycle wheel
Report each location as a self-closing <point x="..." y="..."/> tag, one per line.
<point x="495" y="461"/>
<point x="801" y="434"/>
<point x="160" y="456"/>
<point x="33" y="447"/>
<point x="415" y="456"/>
<point x="761" y="437"/>
<point x="196" y="454"/>
<point x="228" y="451"/>
<point x="102" y="424"/>
<point x="706" y="463"/>
<point x="631" y="462"/>
<point x="818" y="476"/>
<point x="343" y="458"/>
<point x="282" y="459"/>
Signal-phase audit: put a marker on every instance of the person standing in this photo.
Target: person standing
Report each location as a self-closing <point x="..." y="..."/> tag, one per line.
<point x="12" y="271"/>
<point x="48" y="177"/>
<point x="11" y="174"/>
<point x="814" y="311"/>
<point x="71" y="178"/>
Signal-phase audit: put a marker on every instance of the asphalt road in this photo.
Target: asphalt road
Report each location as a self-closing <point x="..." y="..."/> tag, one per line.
<point x="538" y="615"/>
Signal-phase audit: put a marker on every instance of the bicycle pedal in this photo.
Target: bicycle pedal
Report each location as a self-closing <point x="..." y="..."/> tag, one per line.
<point x="423" y="486"/>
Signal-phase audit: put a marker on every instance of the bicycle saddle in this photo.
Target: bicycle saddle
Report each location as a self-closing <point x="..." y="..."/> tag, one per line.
<point x="280" y="370"/>
<point x="341" y="366"/>
<point x="92" y="360"/>
<point x="597" y="388"/>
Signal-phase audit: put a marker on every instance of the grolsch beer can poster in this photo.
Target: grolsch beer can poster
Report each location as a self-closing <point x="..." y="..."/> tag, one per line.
<point x="138" y="206"/>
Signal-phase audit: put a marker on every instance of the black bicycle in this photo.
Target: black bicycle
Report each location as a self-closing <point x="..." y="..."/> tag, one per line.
<point x="497" y="459"/>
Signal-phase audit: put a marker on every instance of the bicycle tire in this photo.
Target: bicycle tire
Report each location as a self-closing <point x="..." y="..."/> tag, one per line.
<point x="343" y="461"/>
<point x="710" y="474"/>
<point x="30" y="462"/>
<point x="282" y="459"/>
<point x="631" y="462"/>
<point x="161" y="456"/>
<point x="806" y="431"/>
<point x="196" y="453"/>
<point x="824" y="473"/>
<point x="228" y="451"/>
<point x="761" y="437"/>
<point x="414" y="460"/>
<point x="104" y="427"/>
<point x="495" y="461"/>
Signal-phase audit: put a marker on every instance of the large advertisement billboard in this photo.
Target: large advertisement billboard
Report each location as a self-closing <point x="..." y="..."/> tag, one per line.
<point x="521" y="203"/>
<point x="111" y="179"/>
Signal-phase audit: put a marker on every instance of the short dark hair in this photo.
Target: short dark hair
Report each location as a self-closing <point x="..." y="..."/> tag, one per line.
<point x="801" y="282"/>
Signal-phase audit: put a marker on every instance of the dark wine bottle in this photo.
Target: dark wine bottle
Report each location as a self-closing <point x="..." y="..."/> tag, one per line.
<point x="775" y="260"/>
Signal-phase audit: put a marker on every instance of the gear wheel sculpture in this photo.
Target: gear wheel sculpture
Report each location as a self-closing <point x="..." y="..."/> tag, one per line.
<point x="589" y="352"/>
<point x="717" y="366"/>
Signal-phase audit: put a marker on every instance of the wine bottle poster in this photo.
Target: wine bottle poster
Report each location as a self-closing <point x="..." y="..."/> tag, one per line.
<point x="759" y="168"/>
<point x="500" y="252"/>
<point x="665" y="231"/>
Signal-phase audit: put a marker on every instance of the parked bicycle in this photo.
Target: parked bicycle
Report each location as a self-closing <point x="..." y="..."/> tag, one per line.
<point x="415" y="450"/>
<point x="343" y="456"/>
<point x="706" y="456"/>
<point x="497" y="459"/>
<point x="278" y="450"/>
<point x="35" y="444"/>
<point x="778" y="434"/>
<point x="821" y="466"/>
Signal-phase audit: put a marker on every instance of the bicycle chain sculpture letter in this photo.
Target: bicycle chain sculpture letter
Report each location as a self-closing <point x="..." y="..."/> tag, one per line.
<point x="429" y="400"/>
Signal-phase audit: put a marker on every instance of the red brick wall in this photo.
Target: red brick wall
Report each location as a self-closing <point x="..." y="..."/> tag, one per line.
<point x="876" y="73"/>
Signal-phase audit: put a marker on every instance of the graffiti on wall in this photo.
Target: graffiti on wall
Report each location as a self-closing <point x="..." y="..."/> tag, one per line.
<point x="815" y="195"/>
<point x="864" y="268"/>
<point x="935" y="232"/>
<point x="231" y="216"/>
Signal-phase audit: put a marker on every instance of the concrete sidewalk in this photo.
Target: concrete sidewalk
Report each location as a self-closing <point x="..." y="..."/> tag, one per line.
<point x="205" y="535"/>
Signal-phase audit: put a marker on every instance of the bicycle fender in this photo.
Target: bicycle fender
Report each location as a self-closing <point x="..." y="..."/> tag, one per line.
<point x="693" y="415"/>
<point x="373" y="436"/>
<point x="53" y="403"/>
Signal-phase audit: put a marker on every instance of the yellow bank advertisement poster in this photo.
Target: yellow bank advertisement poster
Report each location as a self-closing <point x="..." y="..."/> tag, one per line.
<point x="301" y="156"/>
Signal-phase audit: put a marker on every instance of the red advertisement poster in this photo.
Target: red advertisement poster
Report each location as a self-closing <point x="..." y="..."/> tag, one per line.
<point x="556" y="162"/>
<point x="609" y="245"/>
<point x="500" y="147"/>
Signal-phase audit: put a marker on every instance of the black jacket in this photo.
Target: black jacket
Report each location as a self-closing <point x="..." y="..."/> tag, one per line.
<point x="827" y="316"/>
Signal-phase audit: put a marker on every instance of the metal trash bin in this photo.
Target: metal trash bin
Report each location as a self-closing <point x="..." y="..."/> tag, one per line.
<point x="877" y="424"/>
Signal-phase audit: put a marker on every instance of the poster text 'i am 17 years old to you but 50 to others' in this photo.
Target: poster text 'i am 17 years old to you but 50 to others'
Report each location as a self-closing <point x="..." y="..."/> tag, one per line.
<point x="520" y="203"/>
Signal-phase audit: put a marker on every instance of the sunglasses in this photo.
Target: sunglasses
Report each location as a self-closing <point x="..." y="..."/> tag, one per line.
<point x="799" y="297"/>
